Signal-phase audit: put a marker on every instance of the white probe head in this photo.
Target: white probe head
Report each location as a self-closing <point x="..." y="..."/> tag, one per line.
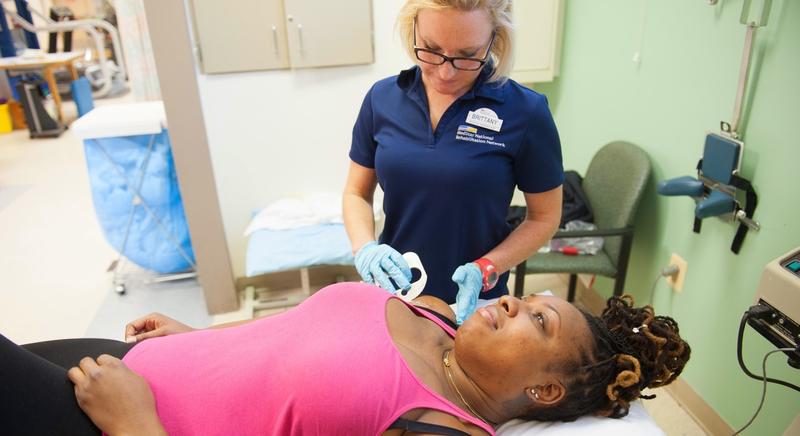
<point x="416" y="288"/>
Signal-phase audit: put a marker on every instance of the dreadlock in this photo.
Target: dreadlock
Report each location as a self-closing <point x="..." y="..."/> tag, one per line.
<point x="633" y="349"/>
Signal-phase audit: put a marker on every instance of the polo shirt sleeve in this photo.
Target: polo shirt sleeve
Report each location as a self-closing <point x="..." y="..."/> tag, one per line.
<point x="538" y="166"/>
<point x="362" y="148"/>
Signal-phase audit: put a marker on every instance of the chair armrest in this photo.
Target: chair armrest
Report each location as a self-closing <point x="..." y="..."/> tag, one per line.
<point x="624" y="231"/>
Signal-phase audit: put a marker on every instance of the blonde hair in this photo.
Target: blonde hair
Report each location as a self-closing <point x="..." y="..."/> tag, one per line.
<point x="502" y="53"/>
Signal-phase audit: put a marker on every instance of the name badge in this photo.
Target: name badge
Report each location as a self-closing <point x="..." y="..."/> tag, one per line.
<point x="486" y="118"/>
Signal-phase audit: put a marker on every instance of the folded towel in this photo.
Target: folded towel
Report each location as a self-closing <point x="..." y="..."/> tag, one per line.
<point x="307" y="210"/>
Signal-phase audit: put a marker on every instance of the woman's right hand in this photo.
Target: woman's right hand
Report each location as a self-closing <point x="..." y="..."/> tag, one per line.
<point x="377" y="263"/>
<point x="152" y="326"/>
<point x="117" y="400"/>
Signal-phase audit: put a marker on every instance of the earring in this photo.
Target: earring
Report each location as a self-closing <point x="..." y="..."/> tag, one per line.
<point x="535" y="394"/>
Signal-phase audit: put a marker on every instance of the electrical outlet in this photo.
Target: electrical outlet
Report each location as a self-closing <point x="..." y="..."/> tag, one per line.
<point x="794" y="427"/>
<point x="676" y="281"/>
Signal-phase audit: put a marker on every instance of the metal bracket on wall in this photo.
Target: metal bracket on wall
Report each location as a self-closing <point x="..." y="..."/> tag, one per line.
<point x="753" y="18"/>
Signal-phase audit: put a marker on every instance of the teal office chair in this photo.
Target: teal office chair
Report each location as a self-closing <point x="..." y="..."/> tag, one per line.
<point x="614" y="183"/>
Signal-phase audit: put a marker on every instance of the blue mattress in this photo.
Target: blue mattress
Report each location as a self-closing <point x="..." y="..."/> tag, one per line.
<point x="281" y="250"/>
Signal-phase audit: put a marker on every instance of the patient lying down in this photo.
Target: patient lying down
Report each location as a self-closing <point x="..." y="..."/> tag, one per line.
<point x="351" y="359"/>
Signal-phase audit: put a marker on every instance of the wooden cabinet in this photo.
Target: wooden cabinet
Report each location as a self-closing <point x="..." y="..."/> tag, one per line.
<point x="248" y="36"/>
<point x="539" y="25"/>
<point x="252" y="35"/>
<point x="325" y="33"/>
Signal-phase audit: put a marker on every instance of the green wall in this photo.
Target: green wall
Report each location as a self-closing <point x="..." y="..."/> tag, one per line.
<point x="685" y="84"/>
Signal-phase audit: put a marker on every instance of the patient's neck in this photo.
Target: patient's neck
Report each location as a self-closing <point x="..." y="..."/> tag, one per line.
<point x="422" y="343"/>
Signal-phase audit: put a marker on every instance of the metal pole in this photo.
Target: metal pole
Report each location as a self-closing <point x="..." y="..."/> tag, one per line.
<point x="744" y="72"/>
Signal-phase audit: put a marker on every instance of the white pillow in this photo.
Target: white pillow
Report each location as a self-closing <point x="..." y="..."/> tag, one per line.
<point x="637" y="423"/>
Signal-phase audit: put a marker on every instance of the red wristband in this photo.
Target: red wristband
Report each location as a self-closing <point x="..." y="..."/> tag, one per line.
<point x="489" y="273"/>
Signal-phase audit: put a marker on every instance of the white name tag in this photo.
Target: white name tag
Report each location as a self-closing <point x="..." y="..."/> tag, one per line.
<point x="486" y="118"/>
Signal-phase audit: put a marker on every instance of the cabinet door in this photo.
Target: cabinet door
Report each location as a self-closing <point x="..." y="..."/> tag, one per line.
<point x="325" y="32"/>
<point x="240" y="35"/>
<point x="538" y="40"/>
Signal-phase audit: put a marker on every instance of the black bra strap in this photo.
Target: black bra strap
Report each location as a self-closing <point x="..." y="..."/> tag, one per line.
<point x="444" y="319"/>
<point x="424" y="427"/>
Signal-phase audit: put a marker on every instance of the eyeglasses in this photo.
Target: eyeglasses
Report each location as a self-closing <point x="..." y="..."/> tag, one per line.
<point x="459" y="63"/>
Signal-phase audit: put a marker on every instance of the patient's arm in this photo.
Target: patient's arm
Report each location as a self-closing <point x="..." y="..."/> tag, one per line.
<point x="156" y="324"/>
<point x="117" y="400"/>
<point x="435" y="304"/>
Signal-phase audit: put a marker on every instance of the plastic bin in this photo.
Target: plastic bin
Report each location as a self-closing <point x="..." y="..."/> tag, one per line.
<point x="5" y="118"/>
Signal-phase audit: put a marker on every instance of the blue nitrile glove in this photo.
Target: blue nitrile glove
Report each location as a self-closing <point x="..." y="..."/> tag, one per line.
<point x="469" y="279"/>
<point x="377" y="263"/>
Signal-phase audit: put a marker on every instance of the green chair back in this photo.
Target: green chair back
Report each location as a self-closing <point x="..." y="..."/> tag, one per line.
<point x="614" y="183"/>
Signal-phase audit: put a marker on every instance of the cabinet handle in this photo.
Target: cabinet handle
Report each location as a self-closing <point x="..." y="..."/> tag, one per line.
<point x="300" y="37"/>
<point x="275" y="39"/>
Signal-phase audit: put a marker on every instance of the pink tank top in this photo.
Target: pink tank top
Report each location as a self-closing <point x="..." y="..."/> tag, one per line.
<point x="328" y="367"/>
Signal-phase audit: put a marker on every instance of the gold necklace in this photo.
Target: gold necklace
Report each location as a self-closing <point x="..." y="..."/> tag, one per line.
<point x="446" y="362"/>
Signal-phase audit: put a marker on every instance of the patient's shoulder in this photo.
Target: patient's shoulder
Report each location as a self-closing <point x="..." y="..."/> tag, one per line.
<point x="436" y="304"/>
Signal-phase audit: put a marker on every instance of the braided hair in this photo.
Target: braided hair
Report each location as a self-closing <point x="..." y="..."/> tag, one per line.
<point x="633" y="349"/>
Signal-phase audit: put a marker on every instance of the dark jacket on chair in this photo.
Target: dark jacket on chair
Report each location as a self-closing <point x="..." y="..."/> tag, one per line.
<point x="575" y="206"/>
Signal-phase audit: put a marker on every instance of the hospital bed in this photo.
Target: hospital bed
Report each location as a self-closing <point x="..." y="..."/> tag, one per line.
<point x="296" y="245"/>
<point x="283" y="267"/>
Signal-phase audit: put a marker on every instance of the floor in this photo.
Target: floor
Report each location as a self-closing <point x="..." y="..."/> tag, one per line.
<point x="53" y="279"/>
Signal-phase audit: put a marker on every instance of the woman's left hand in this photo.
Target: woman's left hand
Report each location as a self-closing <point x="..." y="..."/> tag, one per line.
<point x="469" y="279"/>
<point x="152" y="326"/>
<point x="116" y="399"/>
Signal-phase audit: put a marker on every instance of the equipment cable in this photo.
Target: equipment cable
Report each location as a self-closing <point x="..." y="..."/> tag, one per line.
<point x="764" y="388"/>
<point x="750" y="312"/>
<point x="668" y="271"/>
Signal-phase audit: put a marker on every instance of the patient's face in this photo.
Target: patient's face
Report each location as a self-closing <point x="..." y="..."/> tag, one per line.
<point x="515" y="343"/>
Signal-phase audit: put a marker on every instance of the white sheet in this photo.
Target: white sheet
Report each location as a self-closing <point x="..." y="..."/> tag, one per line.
<point x="302" y="211"/>
<point x="292" y="213"/>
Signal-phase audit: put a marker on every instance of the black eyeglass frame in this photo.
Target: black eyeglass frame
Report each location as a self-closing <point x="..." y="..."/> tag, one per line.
<point x="455" y="58"/>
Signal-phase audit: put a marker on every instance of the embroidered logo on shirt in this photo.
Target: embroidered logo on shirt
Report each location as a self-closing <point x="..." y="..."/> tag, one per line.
<point x="469" y="133"/>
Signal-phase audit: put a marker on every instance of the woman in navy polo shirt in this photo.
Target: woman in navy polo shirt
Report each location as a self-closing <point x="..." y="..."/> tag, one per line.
<point x="448" y="141"/>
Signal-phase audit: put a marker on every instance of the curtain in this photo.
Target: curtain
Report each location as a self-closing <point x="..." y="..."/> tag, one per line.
<point x="136" y="46"/>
